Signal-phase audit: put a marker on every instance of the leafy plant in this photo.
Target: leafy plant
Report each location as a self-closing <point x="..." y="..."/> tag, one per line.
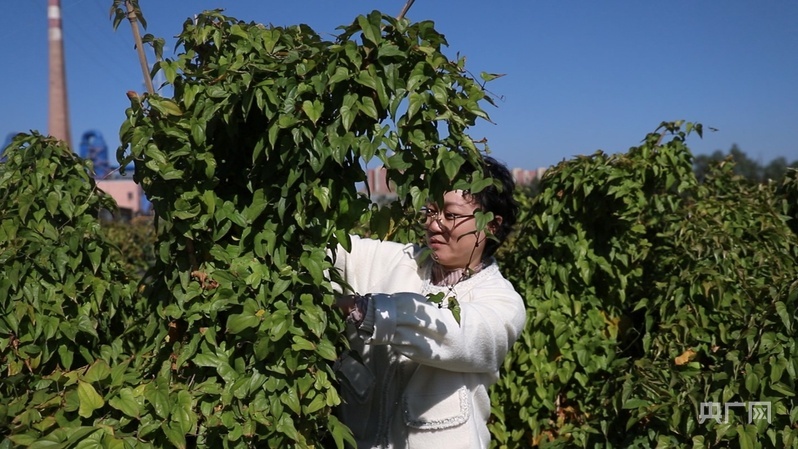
<point x="62" y="296"/>
<point x="135" y="242"/>
<point x="252" y="168"/>
<point x="649" y="294"/>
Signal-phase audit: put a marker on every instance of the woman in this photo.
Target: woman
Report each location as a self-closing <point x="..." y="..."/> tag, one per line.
<point x="418" y="378"/>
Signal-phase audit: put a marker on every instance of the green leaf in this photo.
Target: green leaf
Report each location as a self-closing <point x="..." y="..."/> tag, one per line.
<point x="159" y="399"/>
<point x="341" y="434"/>
<point x="220" y="363"/>
<point x="85" y="437"/>
<point x="313" y="263"/>
<point x="341" y="73"/>
<point x="482" y="219"/>
<point x="490" y="76"/>
<point x="313" y="109"/>
<point x="635" y="403"/>
<point x="240" y="322"/>
<point x="97" y="372"/>
<point x="174" y="434"/>
<point x="52" y="202"/>
<point x="371" y="30"/>
<point x="89" y="399"/>
<point x="291" y="399"/>
<point x="65" y="355"/>
<point x="388" y="50"/>
<point x="48" y="444"/>
<point x="783" y="389"/>
<point x="784" y="314"/>
<point x="451" y="162"/>
<point x="454" y="307"/>
<point x="747" y="436"/>
<point x="479" y="185"/>
<point x="348" y="111"/>
<point x="183" y="412"/>
<point x="198" y="132"/>
<point x="414" y="104"/>
<point x="326" y="350"/>
<point x="262" y="348"/>
<point x="302" y="344"/>
<point x="165" y="106"/>
<point x="271" y="37"/>
<point x="436" y="298"/>
<point x="126" y="403"/>
<point x="323" y="195"/>
<point x="752" y="382"/>
<point x="287" y="121"/>
<point x="61" y="439"/>
<point x="315" y="405"/>
<point x="95" y="256"/>
<point x="368" y="107"/>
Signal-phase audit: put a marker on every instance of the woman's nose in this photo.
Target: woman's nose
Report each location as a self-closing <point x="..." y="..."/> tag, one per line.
<point x="435" y="221"/>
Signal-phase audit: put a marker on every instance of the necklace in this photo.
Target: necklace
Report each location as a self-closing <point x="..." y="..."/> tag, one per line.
<point x="449" y="278"/>
<point x="443" y="277"/>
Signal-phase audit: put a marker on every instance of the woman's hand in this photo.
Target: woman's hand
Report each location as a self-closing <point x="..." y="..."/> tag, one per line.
<point x="346" y="303"/>
<point x="354" y="307"/>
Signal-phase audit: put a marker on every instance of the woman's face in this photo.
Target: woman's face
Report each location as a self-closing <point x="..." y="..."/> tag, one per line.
<point x="452" y="233"/>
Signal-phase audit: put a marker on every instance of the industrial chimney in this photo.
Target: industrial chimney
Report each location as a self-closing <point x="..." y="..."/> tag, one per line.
<point x="58" y="116"/>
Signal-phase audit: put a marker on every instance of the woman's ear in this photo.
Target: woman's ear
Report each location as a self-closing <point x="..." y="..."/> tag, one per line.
<point x="495" y="223"/>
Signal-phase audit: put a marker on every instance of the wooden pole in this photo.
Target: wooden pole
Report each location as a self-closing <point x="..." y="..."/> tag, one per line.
<point x="405" y="9"/>
<point x="134" y="24"/>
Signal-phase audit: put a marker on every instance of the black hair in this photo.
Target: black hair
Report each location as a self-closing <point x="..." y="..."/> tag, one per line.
<point x="499" y="200"/>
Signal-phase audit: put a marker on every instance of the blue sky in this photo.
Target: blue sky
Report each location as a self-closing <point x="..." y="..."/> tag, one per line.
<point x="580" y="75"/>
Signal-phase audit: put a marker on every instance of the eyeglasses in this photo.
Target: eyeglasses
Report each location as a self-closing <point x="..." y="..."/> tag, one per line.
<point x="446" y="220"/>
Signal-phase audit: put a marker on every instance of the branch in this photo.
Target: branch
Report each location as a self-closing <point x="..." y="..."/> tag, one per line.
<point x="405" y="9"/>
<point x="145" y="68"/>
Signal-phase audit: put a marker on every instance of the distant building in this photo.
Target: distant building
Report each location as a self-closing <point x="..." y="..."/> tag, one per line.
<point x="128" y="196"/>
<point x="58" y="110"/>
<point x="379" y="188"/>
<point x="94" y="148"/>
<point x="525" y="177"/>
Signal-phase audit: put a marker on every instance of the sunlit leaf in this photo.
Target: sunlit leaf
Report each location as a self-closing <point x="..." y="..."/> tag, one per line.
<point x="90" y="400"/>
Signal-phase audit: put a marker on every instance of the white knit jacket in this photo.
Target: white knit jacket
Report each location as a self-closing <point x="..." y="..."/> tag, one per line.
<point x="420" y="379"/>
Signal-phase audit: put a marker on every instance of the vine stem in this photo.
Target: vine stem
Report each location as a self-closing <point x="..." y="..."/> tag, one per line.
<point x="405" y="9"/>
<point x="145" y="70"/>
<point x="134" y="25"/>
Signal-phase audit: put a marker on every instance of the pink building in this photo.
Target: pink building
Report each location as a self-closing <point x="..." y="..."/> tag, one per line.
<point x="524" y="177"/>
<point x="127" y="194"/>
<point x="378" y="182"/>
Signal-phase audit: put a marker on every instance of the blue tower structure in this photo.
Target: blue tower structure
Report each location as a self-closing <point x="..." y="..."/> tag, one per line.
<point x="94" y="148"/>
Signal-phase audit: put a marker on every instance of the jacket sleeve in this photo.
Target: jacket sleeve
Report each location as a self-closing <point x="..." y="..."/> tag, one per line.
<point x="490" y="322"/>
<point x="370" y="262"/>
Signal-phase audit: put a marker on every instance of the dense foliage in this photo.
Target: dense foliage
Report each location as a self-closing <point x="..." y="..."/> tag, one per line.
<point x="252" y="168"/>
<point x="650" y="293"/>
<point x="134" y="241"/>
<point x="63" y="297"/>
<point x="748" y="168"/>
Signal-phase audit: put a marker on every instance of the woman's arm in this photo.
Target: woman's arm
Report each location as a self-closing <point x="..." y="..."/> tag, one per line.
<point x="372" y="262"/>
<point x="429" y="335"/>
